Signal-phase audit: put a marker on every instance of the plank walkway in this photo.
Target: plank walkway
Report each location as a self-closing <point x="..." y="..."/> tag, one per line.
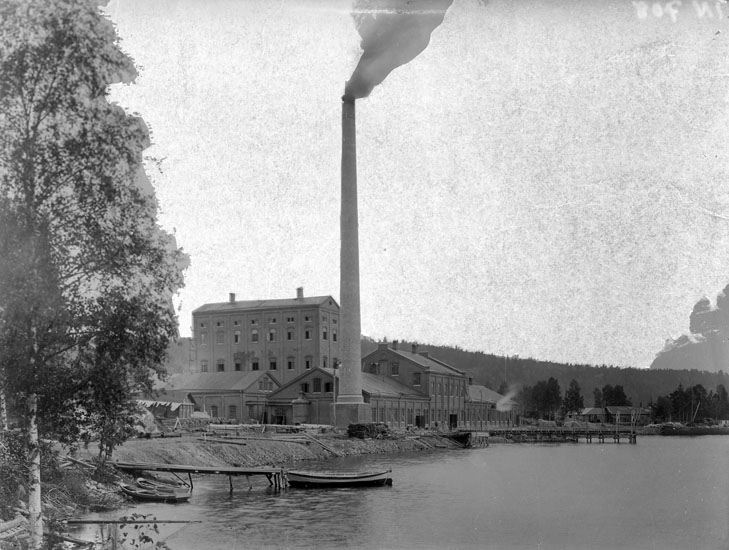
<point x="276" y="476"/>
<point x="531" y="434"/>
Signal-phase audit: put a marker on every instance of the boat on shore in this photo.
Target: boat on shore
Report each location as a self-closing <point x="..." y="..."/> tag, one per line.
<point x="155" y="495"/>
<point x="160" y="485"/>
<point x="308" y="479"/>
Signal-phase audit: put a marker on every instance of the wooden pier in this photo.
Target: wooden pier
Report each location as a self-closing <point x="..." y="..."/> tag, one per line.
<point x="276" y="476"/>
<point x="532" y="434"/>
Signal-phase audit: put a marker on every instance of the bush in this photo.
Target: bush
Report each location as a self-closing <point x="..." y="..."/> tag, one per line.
<point x="14" y="462"/>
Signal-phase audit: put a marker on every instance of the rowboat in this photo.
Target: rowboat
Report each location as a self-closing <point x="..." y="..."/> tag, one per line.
<point x="159" y="485"/>
<point x="307" y="479"/>
<point x="140" y="493"/>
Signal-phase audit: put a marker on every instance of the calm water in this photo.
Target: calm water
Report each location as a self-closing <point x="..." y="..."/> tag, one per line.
<point x="663" y="493"/>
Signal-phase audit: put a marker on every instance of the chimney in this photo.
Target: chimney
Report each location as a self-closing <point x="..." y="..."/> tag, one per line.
<point x="300" y="293"/>
<point x="425" y="353"/>
<point x="394" y="344"/>
<point x="415" y="349"/>
<point x="382" y="345"/>
<point x="231" y="297"/>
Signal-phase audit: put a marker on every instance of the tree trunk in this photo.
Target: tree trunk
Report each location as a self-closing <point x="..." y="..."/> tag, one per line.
<point x="3" y="411"/>
<point x="35" y="518"/>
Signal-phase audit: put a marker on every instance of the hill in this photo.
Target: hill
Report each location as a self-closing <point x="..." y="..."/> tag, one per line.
<point x="641" y="385"/>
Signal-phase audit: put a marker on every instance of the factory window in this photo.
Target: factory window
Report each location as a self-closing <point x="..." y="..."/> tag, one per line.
<point x="254" y="321"/>
<point x="324" y="334"/>
<point x="324" y="318"/>
<point x="307" y="333"/>
<point x="203" y="338"/>
<point x="203" y="366"/>
<point x="317" y="385"/>
<point x="236" y="323"/>
<point x="272" y="364"/>
<point x="236" y="337"/>
<point x="327" y="387"/>
<point x="290" y="334"/>
<point x="221" y="365"/>
<point x="231" y="411"/>
<point x="254" y="365"/>
<point x="238" y="366"/>
<point x="307" y="318"/>
<point x="290" y="319"/>
<point x="254" y="335"/>
<point x="324" y="361"/>
<point x="307" y="363"/>
<point x="334" y="320"/>
<point x="214" y="411"/>
<point x="416" y="379"/>
<point x="304" y="387"/>
<point x="396" y="369"/>
<point x="272" y="335"/>
<point x="272" y="320"/>
<point x="220" y="337"/>
<point x="334" y="335"/>
<point x="219" y="323"/>
<point x="202" y="324"/>
<point x="290" y="363"/>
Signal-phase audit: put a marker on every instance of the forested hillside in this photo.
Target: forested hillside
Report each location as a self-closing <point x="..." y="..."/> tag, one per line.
<point x="641" y="385"/>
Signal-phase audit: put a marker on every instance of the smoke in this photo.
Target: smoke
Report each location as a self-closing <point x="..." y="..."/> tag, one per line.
<point x="393" y="32"/>
<point x="506" y="403"/>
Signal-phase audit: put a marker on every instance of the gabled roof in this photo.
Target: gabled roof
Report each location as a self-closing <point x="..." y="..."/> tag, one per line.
<point x="428" y="363"/>
<point x="592" y="410"/>
<point x="384" y="386"/>
<point x="626" y="410"/>
<point x="482" y="394"/>
<point x="205" y="381"/>
<point x="283" y="303"/>
<point x="328" y="372"/>
<point x="373" y="384"/>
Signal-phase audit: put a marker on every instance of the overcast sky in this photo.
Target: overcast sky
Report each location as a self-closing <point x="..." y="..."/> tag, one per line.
<point x="547" y="179"/>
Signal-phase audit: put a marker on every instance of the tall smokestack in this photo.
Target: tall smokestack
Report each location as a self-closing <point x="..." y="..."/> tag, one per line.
<point x="350" y="375"/>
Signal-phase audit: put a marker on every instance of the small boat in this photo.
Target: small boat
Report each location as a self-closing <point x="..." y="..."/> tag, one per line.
<point x="159" y="485"/>
<point x="307" y="479"/>
<point x="140" y="493"/>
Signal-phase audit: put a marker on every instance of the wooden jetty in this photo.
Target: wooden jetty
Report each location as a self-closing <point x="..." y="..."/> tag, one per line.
<point x="533" y="434"/>
<point x="276" y="476"/>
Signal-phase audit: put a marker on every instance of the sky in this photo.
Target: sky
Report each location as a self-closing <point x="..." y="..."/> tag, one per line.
<point x="548" y="179"/>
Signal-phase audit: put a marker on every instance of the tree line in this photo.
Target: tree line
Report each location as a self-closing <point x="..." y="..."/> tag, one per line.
<point x="640" y="385"/>
<point x="692" y="404"/>
<point x="544" y="400"/>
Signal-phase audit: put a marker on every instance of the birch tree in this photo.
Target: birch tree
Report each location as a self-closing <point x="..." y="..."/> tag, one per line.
<point x="87" y="275"/>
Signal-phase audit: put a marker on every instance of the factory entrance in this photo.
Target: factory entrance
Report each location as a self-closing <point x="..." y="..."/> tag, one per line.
<point x="453" y="421"/>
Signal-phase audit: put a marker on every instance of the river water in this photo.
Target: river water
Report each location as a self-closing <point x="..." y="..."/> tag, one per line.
<point x="663" y="493"/>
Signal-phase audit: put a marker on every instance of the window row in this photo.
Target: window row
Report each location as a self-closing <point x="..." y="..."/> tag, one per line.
<point x="451" y="388"/>
<point x="316" y="386"/>
<point x="270" y="320"/>
<point x="271" y="335"/>
<point x="256" y="364"/>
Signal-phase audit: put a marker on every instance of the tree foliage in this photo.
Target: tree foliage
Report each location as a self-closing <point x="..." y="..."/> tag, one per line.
<point x="573" y="400"/>
<point x="692" y="404"/>
<point x="87" y="275"/>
